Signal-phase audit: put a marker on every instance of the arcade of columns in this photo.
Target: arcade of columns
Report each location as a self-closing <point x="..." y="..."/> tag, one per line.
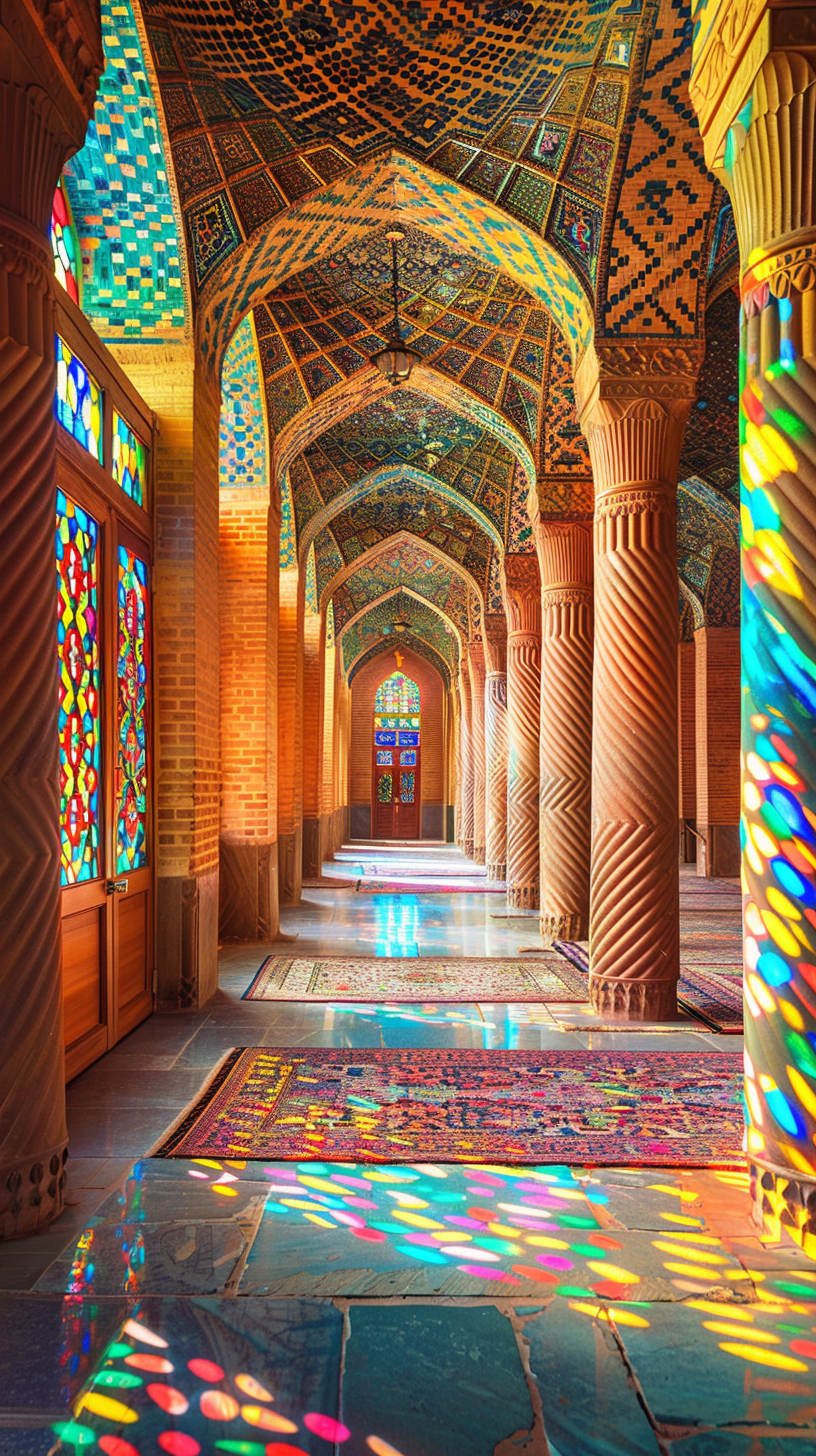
<point x="577" y="808"/>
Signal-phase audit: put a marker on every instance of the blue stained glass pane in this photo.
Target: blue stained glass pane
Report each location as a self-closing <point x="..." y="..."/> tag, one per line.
<point x="408" y="739"/>
<point x="409" y="756"/>
<point x="385" y="739"/>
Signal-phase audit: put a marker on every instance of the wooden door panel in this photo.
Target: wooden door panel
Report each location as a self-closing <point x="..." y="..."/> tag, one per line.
<point x="83" y="982"/>
<point x="133" y="991"/>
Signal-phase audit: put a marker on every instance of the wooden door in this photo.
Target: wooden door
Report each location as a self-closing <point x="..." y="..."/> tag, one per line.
<point x="103" y="587"/>
<point x="396" y="767"/>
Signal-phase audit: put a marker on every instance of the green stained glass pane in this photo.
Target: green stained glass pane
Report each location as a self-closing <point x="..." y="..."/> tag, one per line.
<point x="385" y="784"/>
<point x="398" y="694"/>
<point x="128" y="460"/>
<point x="79" y="721"/>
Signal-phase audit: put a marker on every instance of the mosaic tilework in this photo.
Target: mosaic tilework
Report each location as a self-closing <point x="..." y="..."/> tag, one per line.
<point x="406" y="428"/>
<point x="408" y="505"/>
<point x="311" y="583"/>
<point x="520" y="534"/>
<point x="328" y="561"/>
<point x="494" y="597"/>
<point x="288" y="536"/>
<point x="242" y="453"/>
<point x="723" y="262"/>
<point x="711" y="440"/>
<point x="417" y="644"/>
<point x="132" y="281"/>
<point x="565" y="489"/>
<point x="395" y="189"/>
<point x="650" y="282"/>
<point x="404" y="563"/>
<point x="374" y="627"/>
<point x="708" y="550"/>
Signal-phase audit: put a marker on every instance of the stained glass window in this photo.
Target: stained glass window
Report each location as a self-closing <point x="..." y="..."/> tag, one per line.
<point x="78" y="402"/>
<point x="385" y="784"/>
<point x="385" y="739"/>
<point x="408" y="756"/>
<point x="407" y="787"/>
<point x="128" y="460"/>
<point x="398" y="694"/>
<point x="79" y="727"/>
<point x="131" y="752"/>
<point x="64" y="244"/>
<point x="408" y="740"/>
<point x="385" y="757"/>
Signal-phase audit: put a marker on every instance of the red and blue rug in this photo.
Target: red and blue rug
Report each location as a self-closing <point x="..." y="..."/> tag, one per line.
<point x="712" y="993"/>
<point x="639" y="1109"/>
<point x="414" y="978"/>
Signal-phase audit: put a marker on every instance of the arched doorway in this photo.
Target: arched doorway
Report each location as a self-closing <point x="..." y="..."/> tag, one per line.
<point x="397" y="766"/>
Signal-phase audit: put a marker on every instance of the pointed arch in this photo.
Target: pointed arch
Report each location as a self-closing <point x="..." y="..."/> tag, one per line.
<point x="386" y="548"/>
<point x="451" y="628"/>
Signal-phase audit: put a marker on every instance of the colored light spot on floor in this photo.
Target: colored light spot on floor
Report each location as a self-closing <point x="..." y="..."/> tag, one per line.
<point x="612" y="1273"/>
<point x="116" y="1446"/>
<point x="373" y="1236"/>
<point x="701" y="1255"/>
<point x="684" y="1194"/>
<point x="719" y="1327"/>
<point x="248" y="1385"/>
<point x="267" y="1420"/>
<point x="381" y="1447"/>
<point x="119" y="1379"/>
<point x="527" y="1271"/>
<point x="685" y="1222"/>
<point x="168" y="1399"/>
<point x="140" y="1332"/>
<point x="216" y="1405"/>
<point x="543" y="1241"/>
<point x="693" y="1271"/>
<point x="554" y="1261"/>
<point x="425" y="1256"/>
<point x="74" y="1433"/>
<point x="416" y="1220"/>
<point x="241" y="1448"/>
<point x="108" y="1408"/>
<point x="326" y="1426"/>
<point x="468" y="1251"/>
<point x="226" y="1192"/>
<point x="772" y="1359"/>
<point x="155" y="1364"/>
<point x="205" y="1370"/>
<point x="283" y="1448"/>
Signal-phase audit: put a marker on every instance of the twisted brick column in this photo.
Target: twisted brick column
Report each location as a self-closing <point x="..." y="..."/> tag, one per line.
<point x="522" y="586"/>
<point x="565" y="559"/>
<point x="465" y="834"/>
<point x="637" y="405"/>
<point x="495" y="701"/>
<point x="476" y="675"/>
<point x="43" y="115"/>
<point x="758" y="119"/>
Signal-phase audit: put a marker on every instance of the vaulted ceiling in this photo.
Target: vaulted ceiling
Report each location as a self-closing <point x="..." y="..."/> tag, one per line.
<point x="405" y="565"/>
<point x="375" y="625"/>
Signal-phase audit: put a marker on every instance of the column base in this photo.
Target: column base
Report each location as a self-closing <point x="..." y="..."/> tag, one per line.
<point x="479" y="854"/>
<point x="248" y="890"/>
<point x="633" y="1000"/>
<point x="785" y="1200"/>
<point x="568" y="925"/>
<point x="32" y="1192"/>
<point x="497" y="871"/>
<point x="187" y="940"/>
<point x="522" y="897"/>
<point x="467" y="846"/>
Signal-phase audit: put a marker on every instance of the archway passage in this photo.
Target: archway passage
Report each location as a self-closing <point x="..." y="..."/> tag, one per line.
<point x="400" y="727"/>
<point x="397" y="766"/>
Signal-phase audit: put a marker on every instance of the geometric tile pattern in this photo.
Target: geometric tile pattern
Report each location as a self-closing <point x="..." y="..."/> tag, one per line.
<point x="405" y="564"/>
<point x="132" y="277"/>
<point x="708" y="551"/>
<point x="711" y="439"/>
<point x="242" y="449"/>
<point x="375" y="626"/>
<point x="565" y="488"/>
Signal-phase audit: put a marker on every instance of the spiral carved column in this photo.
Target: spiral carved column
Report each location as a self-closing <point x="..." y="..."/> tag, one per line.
<point x="495" y="701"/>
<point x="565" y="558"/>
<point x="759" y="126"/>
<point x="42" y="119"/>
<point x="635" y="427"/>
<point x="523" y="598"/>
<point x="465" y="766"/>
<point x="476" y="675"/>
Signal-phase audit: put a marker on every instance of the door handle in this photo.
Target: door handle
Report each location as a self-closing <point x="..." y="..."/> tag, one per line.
<point x="117" y="887"/>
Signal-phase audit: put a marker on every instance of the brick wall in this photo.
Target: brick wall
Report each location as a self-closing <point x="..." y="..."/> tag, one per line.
<point x="717" y="656"/>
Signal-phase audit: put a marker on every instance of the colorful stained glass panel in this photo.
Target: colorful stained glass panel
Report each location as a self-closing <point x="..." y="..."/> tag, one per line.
<point x="131" y="749"/>
<point x="385" y="740"/>
<point x="385" y="757"/>
<point x="408" y="756"/>
<point x="79" y="725"/>
<point x="408" y="740"/>
<point x="64" y="244"/>
<point x="407" y="787"/>
<point x="78" y="402"/>
<point x="128" y="460"/>
<point x="385" y="784"/>
<point x="398" y="694"/>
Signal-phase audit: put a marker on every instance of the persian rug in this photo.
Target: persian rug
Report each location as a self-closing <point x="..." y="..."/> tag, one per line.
<point x="413" y="978"/>
<point x="636" y="1109"/>
<point x="712" y="995"/>
<point x="423" y="887"/>
<point x="713" y="999"/>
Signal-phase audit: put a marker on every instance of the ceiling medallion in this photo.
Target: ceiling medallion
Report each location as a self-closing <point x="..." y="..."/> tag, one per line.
<point x="396" y="360"/>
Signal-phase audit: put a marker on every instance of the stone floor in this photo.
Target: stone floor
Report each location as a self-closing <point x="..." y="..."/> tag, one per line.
<point x="269" y="1309"/>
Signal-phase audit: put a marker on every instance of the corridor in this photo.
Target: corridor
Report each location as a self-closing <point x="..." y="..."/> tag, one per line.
<point x="557" y="1308"/>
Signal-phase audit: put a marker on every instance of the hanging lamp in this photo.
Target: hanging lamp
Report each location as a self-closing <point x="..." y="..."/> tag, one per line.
<point x="396" y="360"/>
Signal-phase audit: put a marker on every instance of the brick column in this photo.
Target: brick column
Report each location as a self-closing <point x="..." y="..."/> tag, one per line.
<point x="290" y="741"/>
<point x="186" y="632"/>
<point x="44" y="110"/>
<point x="249" y="531"/>
<point x="636" y="401"/>
<point x="465" y="828"/>
<point x="717" y="732"/>
<point x="565" y="559"/>
<point x="687" y="751"/>
<point x="495" y="644"/>
<point x="476" y="675"/>
<point x="522" y="593"/>
<point x="313" y="638"/>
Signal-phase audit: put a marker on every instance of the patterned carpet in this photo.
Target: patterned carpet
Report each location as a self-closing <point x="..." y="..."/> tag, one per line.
<point x="645" y="1109"/>
<point x="709" y="991"/>
<point x="295" y="978"/>
<point x="475" y="886"/>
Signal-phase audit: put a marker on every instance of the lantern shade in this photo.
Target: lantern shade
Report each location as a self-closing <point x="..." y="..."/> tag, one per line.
<point x="395" y="361"/>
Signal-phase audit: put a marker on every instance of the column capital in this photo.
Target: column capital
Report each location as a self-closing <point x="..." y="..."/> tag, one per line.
<point x="522" y="592"/>
<point x="614" y="379"/>
<point x="565" y="558"/>
<point x="494" y="626"/>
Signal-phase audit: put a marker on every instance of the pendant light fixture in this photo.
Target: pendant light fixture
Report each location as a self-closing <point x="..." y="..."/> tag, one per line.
<point x="396" y="360"/>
